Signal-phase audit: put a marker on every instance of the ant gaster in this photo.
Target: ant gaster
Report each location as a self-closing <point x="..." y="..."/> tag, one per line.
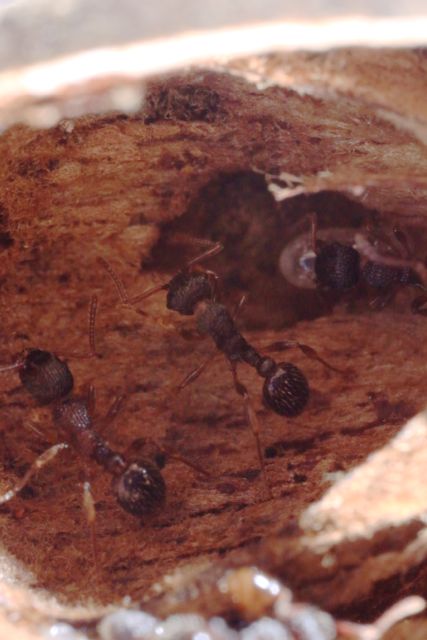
<point x="194" y="291"/>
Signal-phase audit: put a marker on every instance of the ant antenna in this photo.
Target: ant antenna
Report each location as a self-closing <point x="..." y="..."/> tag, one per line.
<point x="92" y="353"/>
<point x="313" y="231"/>
<point x="121" y="289"/>
<point x="92" y="319"/>
<point x="209" y="253"/>
<point x="10" y="367"/>
<point x="118" y="282"/>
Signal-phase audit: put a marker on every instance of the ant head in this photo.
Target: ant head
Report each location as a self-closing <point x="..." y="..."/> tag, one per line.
<point x="286" y="390"/>
<point x="45" y="376"/>
<point x="186" y="289"/>
<point x="337" y="266"/>
<point x="140" y="489"/>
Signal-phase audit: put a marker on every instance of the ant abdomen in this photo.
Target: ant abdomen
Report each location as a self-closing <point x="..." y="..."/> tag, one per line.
<point x="140" y="489"/>
<point x="382" y="276"/>
<point x="286" y="390"/>
<point x="337" y="266"/>
<point x="45" y="376"/>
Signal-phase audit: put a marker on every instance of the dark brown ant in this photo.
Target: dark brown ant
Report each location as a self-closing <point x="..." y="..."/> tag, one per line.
<point x="137" y="485"/>
<point x="194" y="291"/>
<point x="341" y="267"/>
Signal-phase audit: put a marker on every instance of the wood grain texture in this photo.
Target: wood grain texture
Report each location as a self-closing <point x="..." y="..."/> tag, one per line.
<point x="119" y="186"/>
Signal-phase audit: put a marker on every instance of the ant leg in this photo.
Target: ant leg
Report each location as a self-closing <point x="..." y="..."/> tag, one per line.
<point x="410" y="606"/>
<point x="313" y="232"/>
<point x="90" y="512"/>
<point x="38" y="464"/>
<point x="418" y="303"/>
<point x="252" y="420"/>
<point x="172" y="455"/>
<point x="308" y="351"/>
<point x="91" y="399"/>
<point x="191" y="465"/>
<point x="195" y="373"/>
<point x="214" y="278"/>
<point x="111" y="414"/>
<point x="383" y="300"/>
<point x="404" y="247"/>
<point x="239" y="306"/>
<point x="313" y="355"/>
<point x="168" y="454"/>
<point x="364" y="247"/>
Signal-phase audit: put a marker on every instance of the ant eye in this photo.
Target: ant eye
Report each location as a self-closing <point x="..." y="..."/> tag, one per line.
<point x="286" y="390"/>
<point x="140" y="489"/>
<point x="337" y="266"/>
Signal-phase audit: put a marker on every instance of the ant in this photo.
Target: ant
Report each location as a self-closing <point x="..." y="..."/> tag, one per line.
<point x="194" y="291"/>
<point x="339" y="267"/>
<point x="138" y="485"/>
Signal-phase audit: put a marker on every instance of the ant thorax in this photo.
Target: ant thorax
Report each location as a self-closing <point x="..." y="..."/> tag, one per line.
<point x="75" y="426"/>
<point x="72" y="413"/>
<point x="215" y="320"/>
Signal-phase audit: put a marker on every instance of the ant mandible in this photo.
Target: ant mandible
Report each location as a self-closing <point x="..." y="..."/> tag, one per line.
<point x="194" y="291"/>
<point x="339" y="266"/>
<point x="138" y="485"/>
